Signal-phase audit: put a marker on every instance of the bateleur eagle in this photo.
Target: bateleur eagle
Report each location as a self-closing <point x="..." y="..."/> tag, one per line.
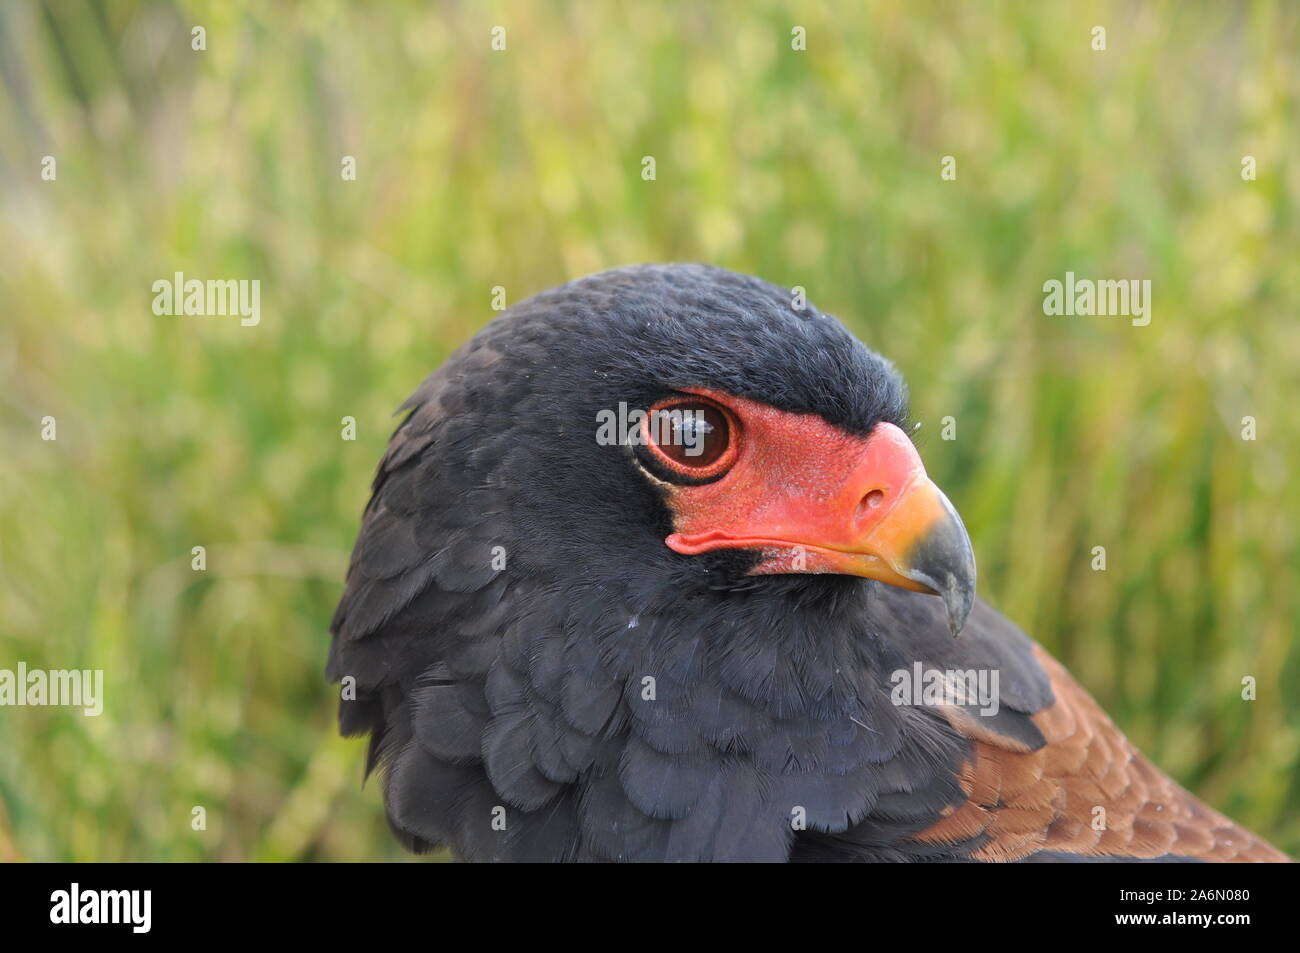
<point x="642" y="575"/>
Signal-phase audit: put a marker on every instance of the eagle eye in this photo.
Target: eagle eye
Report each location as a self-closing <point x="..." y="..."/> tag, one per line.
<point x="691" y="438"/>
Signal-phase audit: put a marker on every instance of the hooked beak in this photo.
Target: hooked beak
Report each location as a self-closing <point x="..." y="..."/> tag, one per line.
<point x="813" y="499"/>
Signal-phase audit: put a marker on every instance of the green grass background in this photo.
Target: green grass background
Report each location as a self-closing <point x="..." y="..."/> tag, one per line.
<point x="522" y="169"/>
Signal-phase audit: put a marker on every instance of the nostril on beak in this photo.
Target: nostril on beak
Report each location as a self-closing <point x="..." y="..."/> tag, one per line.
<point x="872" y="501"/>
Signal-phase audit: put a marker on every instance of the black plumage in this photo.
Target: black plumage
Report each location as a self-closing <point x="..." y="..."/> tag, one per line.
<point x="510" y="593"/>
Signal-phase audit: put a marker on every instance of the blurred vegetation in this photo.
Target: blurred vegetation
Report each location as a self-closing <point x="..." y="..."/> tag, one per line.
<point x="522" y="169"/>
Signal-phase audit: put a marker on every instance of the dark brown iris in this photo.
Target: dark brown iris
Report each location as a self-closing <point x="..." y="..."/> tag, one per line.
<point x="692" y="435"/>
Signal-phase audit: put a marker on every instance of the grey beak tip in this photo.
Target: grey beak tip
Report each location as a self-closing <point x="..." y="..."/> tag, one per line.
<point x="958" y="600"/>
<point x="944" y="561"/>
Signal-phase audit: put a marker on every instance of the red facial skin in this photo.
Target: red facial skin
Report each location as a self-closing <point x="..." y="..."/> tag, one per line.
<point x="815" y="499"/>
